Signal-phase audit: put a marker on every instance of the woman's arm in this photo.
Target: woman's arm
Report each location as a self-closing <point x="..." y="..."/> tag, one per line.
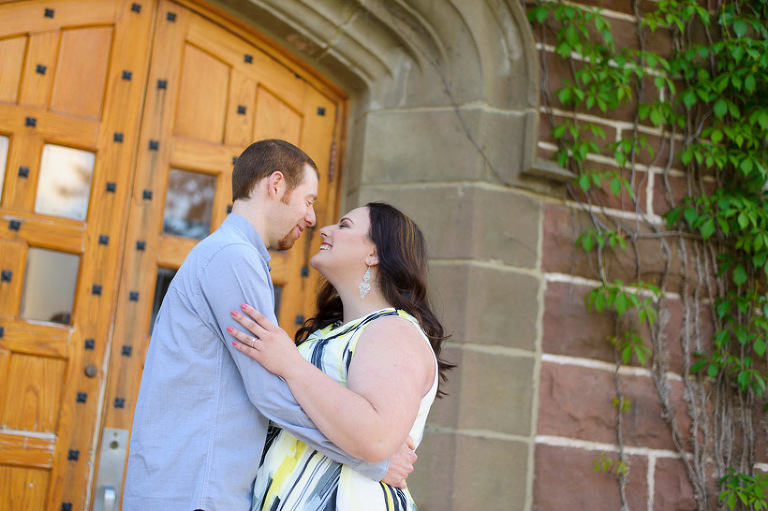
<point x="391" y="371"/>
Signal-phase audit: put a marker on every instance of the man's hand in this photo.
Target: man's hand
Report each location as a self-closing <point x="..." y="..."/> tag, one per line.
<point x="401" y="464"/>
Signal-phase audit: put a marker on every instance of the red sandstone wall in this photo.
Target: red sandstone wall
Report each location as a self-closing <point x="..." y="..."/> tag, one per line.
<point x="576" y="419"/>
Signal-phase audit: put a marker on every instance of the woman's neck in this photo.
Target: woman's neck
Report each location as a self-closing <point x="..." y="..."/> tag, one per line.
<point x="356" y="307"/>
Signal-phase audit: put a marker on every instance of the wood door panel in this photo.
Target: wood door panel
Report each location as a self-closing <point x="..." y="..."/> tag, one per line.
<point x="32" y="397"/>
<point x="40" y="68"/>
<point x="12" y="262"/>
<point x="53" y="15"/>
<point x="26" y="451"/>
<point x="79" y="85"/>
<point x="12" y="52"/>
<point x="276" y="119"/>
<point x="25" y="151"/>
<point x="45" y="232"/>
<point x="15" y="484"/>
<point x="61" y="129"/>
<point x="202" y="96"/>
<point x="204" y="157"/>
<point x="42" y="339"/>
<point x="240" y="111"/>
<point x="252" y="61"/>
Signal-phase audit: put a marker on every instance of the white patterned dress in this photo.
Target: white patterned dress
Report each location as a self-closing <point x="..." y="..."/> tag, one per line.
<point x="295" y="477"/>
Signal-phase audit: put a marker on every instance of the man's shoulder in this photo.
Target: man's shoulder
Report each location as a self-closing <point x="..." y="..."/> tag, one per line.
<point x="225" y="240"/>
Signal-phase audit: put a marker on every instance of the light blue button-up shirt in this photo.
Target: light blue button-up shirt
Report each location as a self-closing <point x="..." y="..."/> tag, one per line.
<point x="203" y="407"/>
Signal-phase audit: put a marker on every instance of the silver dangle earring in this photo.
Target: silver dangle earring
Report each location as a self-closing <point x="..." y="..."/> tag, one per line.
<point x="364" y="286"/>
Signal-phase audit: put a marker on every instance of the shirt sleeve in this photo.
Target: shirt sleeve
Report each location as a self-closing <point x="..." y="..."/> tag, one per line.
<point x="235" y="275"/>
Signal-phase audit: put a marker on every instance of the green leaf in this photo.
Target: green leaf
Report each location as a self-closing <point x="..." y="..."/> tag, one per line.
<point x="739" y="275"/>
<point x="584" y="182"/>
<point x="759" y="346"/>
<point x="615" y="186"/>
<point x="690" y="215"/>
<point x="698" y="366"/>
<point x="559" y="131"/>
<point x="743" y="221"/>
<point x="749" y="83"/>
<point x="656" y="117"/>
<point x="740" y="27"/>
<point x="620" y="304"/>
<point x="689" y="99"/>
<point x="712" y="370"/>
<point x="720" y="108"/>
<point x="743" y="379"/>
<point x="673" y="215"/>
<point x="708" y="228"/>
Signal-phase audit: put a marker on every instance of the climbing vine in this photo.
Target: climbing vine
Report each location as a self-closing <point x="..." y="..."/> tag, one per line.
<point x="704" y="105"/>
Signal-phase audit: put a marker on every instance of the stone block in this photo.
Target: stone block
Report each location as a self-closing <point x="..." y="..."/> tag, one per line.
<point x="432" y="483"/>
<point x="565" y="480"/>
<point x="496" y="392"/>
<point x="672" y="488"/>
<point x="577" y="402"/>
<point x="668" y="192"/>
<point x="456" y="472"/>
<point x="445" y="410"/>
<point x="466" y="221"/>
<point x="486" y="304"/>
<point x="490" y="474"/>
<point x="570" y="329"/>
<point x="436" y="145"/>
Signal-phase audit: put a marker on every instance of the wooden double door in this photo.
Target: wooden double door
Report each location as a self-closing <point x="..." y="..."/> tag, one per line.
<point x="119" y="124"/>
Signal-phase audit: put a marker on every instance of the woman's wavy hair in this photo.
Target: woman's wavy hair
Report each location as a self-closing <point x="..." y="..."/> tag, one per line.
<point x="402" y="278"/>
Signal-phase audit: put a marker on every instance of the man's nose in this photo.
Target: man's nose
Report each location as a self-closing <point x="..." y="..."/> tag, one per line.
<point x="311" y="219"/>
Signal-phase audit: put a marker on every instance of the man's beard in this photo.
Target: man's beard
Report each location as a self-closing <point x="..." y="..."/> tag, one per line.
<point x="286" y="241"/>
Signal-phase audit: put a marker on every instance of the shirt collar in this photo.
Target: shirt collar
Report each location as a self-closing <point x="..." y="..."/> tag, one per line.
<point x="252" y="235"/>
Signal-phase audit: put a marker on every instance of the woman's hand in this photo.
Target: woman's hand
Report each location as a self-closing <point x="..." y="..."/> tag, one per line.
<point x="270" y="345"/>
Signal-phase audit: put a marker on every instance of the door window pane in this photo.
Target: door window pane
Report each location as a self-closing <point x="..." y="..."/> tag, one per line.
<point x="189" y="204"/>
<point x="164" y="277"/>
<point x="65" y="182"/>
<point x="3" y="160"/>
<point x="49" y="286"/>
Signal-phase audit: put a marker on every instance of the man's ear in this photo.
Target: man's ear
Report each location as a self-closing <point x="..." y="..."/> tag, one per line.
<point x="276" y="184"/>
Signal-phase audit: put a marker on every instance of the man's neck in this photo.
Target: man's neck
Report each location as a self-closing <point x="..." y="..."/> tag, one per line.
<point x="251" y="211"/>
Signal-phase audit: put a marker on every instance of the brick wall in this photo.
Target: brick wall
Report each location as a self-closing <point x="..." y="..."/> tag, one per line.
<point x="577" y="422"/>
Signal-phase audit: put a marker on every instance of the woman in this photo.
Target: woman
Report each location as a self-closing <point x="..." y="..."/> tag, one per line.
<point x="366" y="370"/>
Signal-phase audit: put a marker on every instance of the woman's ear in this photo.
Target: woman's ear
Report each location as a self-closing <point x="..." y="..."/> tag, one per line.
<point x="373" y="258"/>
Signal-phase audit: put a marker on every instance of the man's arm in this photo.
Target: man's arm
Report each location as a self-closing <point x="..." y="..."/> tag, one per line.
<point x="235" y="276"/>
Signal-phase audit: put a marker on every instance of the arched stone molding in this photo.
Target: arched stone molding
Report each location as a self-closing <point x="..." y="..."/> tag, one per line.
<point x="444" y="124"/>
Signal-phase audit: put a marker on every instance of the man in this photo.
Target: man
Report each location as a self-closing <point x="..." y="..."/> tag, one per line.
<point x="203" y="409"/>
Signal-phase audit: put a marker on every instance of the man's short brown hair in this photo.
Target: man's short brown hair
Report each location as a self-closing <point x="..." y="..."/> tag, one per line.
<point x="263" y="158"/>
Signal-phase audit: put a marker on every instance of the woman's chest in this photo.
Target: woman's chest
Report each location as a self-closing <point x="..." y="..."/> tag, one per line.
<point x="332" y="356"/>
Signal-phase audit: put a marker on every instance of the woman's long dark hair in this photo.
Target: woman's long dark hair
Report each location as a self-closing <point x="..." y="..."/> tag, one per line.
<point x="401" y="276"/>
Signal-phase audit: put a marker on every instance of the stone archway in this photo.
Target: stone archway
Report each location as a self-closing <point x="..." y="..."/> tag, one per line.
<point x="444" y="124"/>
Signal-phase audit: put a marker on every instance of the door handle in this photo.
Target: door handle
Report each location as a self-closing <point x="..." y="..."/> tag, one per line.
<point x="109" y="481"/>
<point x="107" y="497"/>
